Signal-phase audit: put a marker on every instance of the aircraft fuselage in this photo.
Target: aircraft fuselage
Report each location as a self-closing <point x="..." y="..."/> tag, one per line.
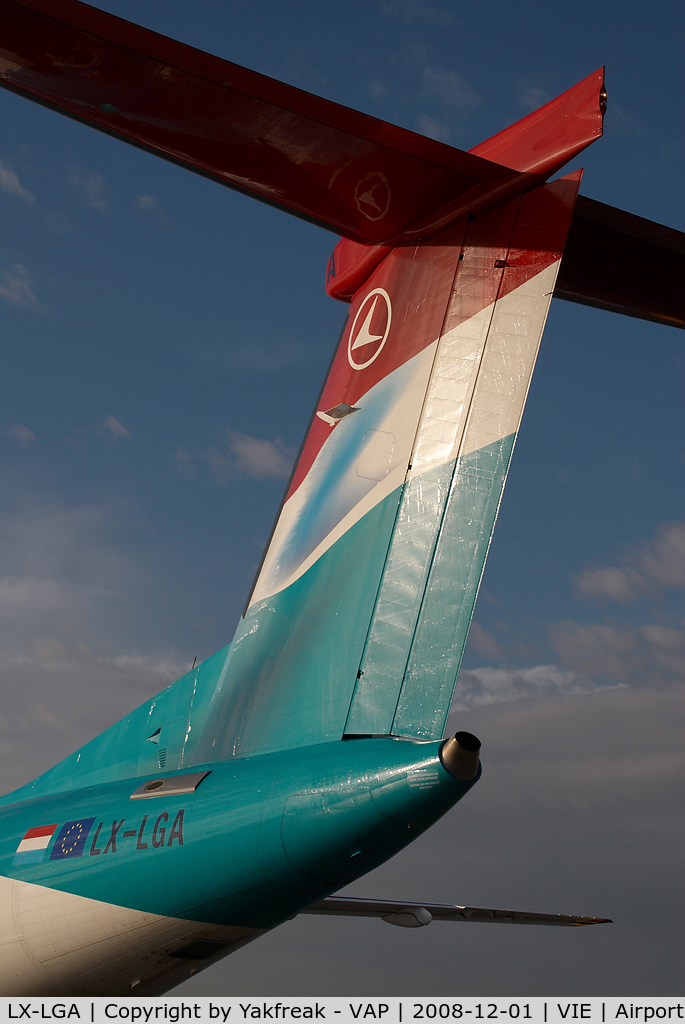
<point x="106" y="868"/>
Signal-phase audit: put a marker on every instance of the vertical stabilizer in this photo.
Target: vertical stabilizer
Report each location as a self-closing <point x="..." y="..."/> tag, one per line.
<point x="291" y="672"/>
<point x="360" y="611"/>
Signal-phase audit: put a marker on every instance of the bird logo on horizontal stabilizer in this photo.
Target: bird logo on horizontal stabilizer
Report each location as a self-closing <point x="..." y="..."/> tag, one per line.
<point x="372" y="195"/>
<point x="370" y="329"/>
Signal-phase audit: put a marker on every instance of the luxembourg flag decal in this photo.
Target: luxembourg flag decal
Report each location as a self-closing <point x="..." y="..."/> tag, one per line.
<point x="34" y="844"/>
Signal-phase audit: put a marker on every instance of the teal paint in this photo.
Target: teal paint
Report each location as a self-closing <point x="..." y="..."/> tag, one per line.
<point x="289" y="677"/>
<point x="399" y="600"/>
<point x="293" y="674"/>
<point x="261" y="838"/>
<point x="291" y="669"/>
<point x="453" y="583"/>
<point x="124" y="750"/>
<point x="427" y="594"/>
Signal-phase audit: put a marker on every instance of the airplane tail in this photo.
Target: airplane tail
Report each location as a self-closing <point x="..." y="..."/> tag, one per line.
<point x="359" y="615"/>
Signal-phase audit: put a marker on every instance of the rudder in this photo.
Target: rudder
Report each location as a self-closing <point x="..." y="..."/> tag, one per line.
<point x="464" y="443"/>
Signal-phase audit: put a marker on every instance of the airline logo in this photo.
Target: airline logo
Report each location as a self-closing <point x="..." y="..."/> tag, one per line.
<point x="370" y="329"/>
<point x="372" y="195"/>
<point x="31" y="849"/>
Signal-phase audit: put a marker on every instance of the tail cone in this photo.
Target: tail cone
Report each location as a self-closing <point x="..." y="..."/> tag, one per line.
<point x="459" y="756"/>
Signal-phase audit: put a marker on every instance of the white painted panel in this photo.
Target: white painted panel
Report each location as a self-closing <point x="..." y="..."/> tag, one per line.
<point x="508" y="361"/>
<point x="55" y="943"/>
<point x="376" y="455"/>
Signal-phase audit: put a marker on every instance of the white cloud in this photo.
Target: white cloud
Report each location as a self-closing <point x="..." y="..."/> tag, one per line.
<point x="263" y="358"/>
<point x="84" y="626"/>
<point x="239" y="455"/>
<point x="450" y="87"/>
<point x="16" y="286"/>
<point x="410" y="10"/>
<point x="433" y="128"/>
<point x="255" y="357"/>
<point x="651" y="567"/>
<point x="530" y="97"/>
<point x="621" y="585"/>
<point x="19" y="433"/>
<point x="64" y="564"/>
<point x="597" y="648"/>
<point x="95" y="571"/>
<point x="88" y="187"/>
<point x="185" y="460"/>
<point x="55" y="656"/>
<point x="485" y="644"/>
<point x="31" y="594"/>
<point x="504" y="644"/>
<point x="377" y="88"/>
<point x="483" y="686"/>
<point x="148" y="204"/>
<point x="666" y="646"/>
<point x="57" y="696"/>
<point x="58" y="223"/>
<point x="9" y="182"/>
<point x="639" y="655"/>
<point x="662" y="561"/>
<point x="602" y="751"/>
<point x="260" y="458"/>
<point x="114" y="429"/>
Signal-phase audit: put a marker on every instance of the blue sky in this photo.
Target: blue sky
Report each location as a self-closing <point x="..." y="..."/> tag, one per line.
<point x="163" y="343"/>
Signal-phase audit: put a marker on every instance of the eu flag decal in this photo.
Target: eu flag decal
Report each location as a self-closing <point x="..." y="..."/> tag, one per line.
<point x="71" y="839"/>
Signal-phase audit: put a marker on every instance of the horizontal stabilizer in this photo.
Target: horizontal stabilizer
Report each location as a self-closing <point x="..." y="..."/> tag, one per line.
<point x="361" y="177"/>
<point x="414" y="915"/>
<point x="553" y="134"/>
<point x="622" y="263"/>
<point x="354" y="174"/>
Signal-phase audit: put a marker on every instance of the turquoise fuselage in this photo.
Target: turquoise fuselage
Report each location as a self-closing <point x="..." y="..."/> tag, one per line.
<point x="261" y="838"/>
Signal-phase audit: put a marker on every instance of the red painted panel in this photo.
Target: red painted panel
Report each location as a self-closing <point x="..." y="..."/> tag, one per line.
<point x="625" y="264"/>
<point x="418" y="279"/>
<point x="40" y="831"/>
<point x="541" y="230"/>
<point x="351" y="264"/>
<point x="359" y="176"/>
<point x="548" y="138"/>
<point x="501" y="258"/>
<point x="505" y="248"/>
<point x="349" y="267"/>
<point x="363" y="178"/>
